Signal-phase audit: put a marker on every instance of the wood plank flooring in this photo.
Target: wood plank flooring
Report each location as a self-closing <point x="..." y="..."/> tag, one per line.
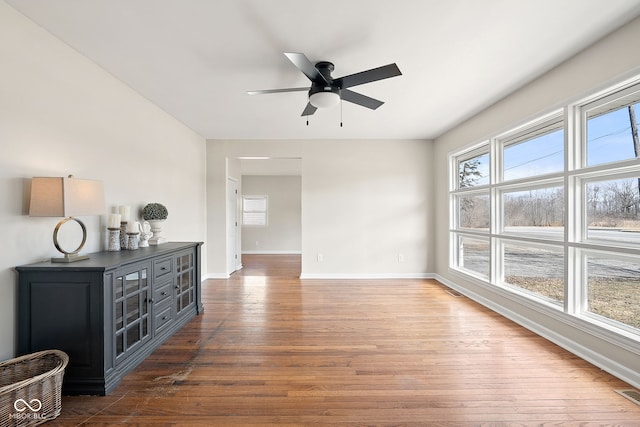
<point x="271" y="349"/>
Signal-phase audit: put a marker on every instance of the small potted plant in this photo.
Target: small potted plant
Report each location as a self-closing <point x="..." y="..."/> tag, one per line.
<point x="156" y="214"/>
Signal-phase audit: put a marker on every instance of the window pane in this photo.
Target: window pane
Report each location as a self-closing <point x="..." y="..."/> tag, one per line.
<point x="536" y="213"/>
<point x="609" y="137"/>
<point x="473" y="255"/>
<point x="254" y="218"/>
<point x="614" y="289"/>
<point x="539" y="271"/>
<point x="474" y="171"/>
<point x="613" y="210"/>
<point x="255" y="203"/>
<point x="473" y="211"/>
<point x="538" y="155"/>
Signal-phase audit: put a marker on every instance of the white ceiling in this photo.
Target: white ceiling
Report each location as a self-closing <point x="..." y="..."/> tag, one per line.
<point x="197" y="58"/>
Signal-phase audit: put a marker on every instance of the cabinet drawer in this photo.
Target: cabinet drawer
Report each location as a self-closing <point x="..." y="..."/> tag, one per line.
<point x="162" y="267"/>
<point x="162" y="292"/>
<point x="163" y="315"/>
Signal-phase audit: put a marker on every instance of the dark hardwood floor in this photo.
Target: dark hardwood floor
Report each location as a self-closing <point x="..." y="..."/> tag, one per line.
<point x="271" y="349"/>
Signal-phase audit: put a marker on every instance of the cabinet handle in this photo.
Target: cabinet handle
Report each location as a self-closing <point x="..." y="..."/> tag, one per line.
<point x="163" y="268"/>
<point x="165" y="293"/>
<point x="164" y="317"/>
<point x="151" y="300"/>
<point x="177" y="287"/>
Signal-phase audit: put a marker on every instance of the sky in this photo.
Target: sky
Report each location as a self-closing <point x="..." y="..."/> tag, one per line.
<point x="608" y="140"/>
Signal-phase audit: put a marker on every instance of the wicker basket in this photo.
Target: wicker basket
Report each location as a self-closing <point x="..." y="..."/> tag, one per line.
<point x="30" y="388"/>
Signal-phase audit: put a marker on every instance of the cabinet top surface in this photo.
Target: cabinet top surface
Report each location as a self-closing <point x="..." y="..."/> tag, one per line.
<point x="101" y="261"/>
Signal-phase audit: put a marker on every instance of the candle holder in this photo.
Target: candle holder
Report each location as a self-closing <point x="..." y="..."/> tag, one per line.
<point x="132" y="241"/>
<point x="114" y="239"/>
<point x="123" y="235"/>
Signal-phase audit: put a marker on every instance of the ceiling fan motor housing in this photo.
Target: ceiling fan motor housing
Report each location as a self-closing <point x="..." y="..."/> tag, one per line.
<point x="316" y="88"/>
<point x="323" y="93"/>
<point x="324" y="85"/>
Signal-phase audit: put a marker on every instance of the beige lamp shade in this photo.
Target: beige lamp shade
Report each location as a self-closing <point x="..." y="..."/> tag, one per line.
<point x="66" y="197"/>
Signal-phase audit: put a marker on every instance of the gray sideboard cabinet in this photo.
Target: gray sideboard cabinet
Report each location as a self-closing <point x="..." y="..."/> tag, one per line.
<point x="108" y="313"/>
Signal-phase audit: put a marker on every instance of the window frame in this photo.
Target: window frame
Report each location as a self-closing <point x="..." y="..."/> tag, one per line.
<point x="573" y="179"/>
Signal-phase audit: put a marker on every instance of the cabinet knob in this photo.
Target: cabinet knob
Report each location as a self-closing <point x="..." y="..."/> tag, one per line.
<point x="164" y="317"/>
<point x="165" y="293"/>
<point x="163" y="268"/>
<point x="151" y="300"/>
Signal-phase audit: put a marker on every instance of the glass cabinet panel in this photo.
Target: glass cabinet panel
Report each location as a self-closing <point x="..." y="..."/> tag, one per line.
<point x="131" y="310"/>
<point x="119" y="287"/>
<point x="185" y="286"/>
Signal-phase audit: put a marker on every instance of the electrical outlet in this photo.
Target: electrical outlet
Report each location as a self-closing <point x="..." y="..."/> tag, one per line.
<point x="320" y="257"/>
<point x="400" y="257"/>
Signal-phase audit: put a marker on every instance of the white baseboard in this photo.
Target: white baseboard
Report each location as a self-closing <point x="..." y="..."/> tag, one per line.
<point x="217" y="276"/>
<point x="334" y="276"/>
<point x="263" y="252"/>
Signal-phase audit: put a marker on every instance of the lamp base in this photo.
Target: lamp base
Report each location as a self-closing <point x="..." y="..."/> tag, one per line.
<point x="70" y="258"/>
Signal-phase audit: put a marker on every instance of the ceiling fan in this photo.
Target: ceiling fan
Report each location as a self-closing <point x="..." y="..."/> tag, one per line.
<point x="325" y="91"/>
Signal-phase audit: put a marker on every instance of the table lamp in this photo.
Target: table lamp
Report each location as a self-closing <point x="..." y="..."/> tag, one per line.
<point x="67" y="198"/>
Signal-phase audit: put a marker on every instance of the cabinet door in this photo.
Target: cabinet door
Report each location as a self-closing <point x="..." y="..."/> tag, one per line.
<point x="185" y="282"/>
<point x="132" y="301"/>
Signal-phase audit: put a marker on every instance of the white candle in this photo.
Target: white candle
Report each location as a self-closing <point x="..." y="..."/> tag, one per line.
<point x="132" y="227"/>
<point x="114" y="220"/>
<point x="125" y="213"/>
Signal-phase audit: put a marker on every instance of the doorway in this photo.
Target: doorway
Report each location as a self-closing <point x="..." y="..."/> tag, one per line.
<point x="277" y="181"/>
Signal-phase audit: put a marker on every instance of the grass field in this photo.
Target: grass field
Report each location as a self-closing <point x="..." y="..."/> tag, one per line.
<point x="614" y="298"/>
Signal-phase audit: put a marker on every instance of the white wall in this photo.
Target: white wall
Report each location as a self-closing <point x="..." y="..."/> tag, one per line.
<point x="283" y="233"/>
<point x="61" y="114"/>
<point x="363" y="204"/>
<point x="610" y="60"/>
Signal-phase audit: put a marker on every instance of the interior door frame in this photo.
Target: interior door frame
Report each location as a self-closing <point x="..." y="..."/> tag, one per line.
<point x="234" y="243"/>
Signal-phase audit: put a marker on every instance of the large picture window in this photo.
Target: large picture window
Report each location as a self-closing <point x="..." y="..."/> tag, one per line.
<point x="550" y="211"/>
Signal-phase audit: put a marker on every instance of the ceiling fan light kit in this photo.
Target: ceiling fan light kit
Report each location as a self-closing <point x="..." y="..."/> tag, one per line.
<point x="325" y="97"/>
<point x="326" y="92"/>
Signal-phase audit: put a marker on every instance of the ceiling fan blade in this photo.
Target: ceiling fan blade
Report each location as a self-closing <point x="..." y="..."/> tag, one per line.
<point x="360" y="99"/>
<point x="301" y="61"/>
<point x="308" y="110"/>
<point x="291" y="89"/>
<point x="368" y="76"/>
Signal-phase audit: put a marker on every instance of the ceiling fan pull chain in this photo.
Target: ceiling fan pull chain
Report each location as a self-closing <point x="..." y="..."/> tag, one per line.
<point x="340" y="111"/>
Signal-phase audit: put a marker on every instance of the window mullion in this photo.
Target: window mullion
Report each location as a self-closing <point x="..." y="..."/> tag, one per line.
<point x="495" y="213"/>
